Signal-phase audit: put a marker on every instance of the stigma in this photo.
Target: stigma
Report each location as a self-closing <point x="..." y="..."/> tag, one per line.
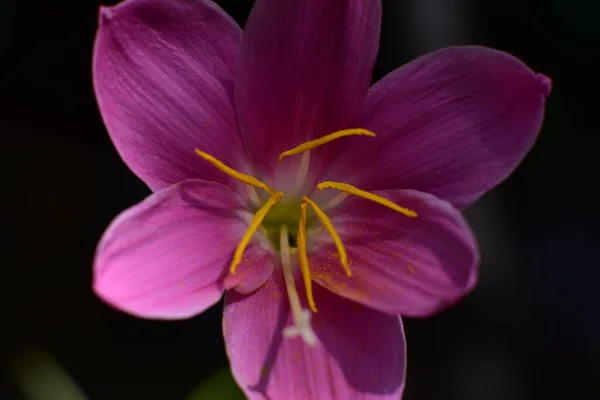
<point x="300" y="315"/>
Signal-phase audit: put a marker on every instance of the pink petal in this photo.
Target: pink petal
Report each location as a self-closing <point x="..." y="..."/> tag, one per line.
<point x="163" y="75"/>
<point x="453" y="123"/>
<point x="304" y="71"/>
<point x="361" y="353"/>
<point x="400" y="265"/>
<point x="254" y="270"/>
<point x="167" y="257"/>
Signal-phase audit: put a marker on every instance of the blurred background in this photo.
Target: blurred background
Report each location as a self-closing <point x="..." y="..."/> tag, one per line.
<point x="531" y="329"/>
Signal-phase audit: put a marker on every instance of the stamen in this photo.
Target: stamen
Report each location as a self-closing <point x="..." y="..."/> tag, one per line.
<point x="301" y="239"/>
<point x="302" y="169"/>
<point x="344" y="187"/>
<point x="326" y="222"/>
<point x="337" y="200"/>
<point x="301" y="317"/>
<point x="325" y="139"/>
<point x="253" y="196"/>
<point x="250" y="180"/>
<point x="256" y="221"/>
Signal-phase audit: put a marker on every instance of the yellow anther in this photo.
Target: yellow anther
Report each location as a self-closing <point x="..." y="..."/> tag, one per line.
<point x="256" y="221"/>
<point x="306" y="146"/>
<point x="344" y="187"/>
<point x="301" y="239"/>
<point x="326" y="222"/>
<point x="250" y="180"/>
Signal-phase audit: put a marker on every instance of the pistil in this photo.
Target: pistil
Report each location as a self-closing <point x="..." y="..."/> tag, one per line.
<point x="300" y="315"/>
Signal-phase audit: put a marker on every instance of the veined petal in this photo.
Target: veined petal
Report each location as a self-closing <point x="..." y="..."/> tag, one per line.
<point x="400" y="265"/>
<point x="304" y="71"/>
<point x="453" y="123"/>
<point x="255" y="269"/>
<point x="163" y="76"/>
<point x="168" y="256"/>
<point x="360" y="354"/>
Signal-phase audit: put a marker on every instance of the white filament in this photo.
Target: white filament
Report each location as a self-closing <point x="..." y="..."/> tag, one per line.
<point x="253" y="196"/>
<point x="302" y="169"/>
<point x="336" y="201"/>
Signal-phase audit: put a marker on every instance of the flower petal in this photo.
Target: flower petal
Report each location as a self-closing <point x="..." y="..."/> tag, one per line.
<point x="400" y="265"/>
<point x="167" y="257"/>
<point x="163" y="75"/>
<point x="360" y="354"/>
<point x="304" y="71"/>
<point x="453" y="123"/>
<point x="255" y="269"/>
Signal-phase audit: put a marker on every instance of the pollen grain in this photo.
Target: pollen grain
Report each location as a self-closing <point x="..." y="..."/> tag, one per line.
<point x="301" y="239"/>
<point x="326" y="222"/>
<point x="248" y="179"/>
<point x="346" y="188"/>
<point x="306" y="146"/>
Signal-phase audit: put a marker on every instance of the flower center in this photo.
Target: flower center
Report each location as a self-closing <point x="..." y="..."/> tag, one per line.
<point x="285" y="224"/>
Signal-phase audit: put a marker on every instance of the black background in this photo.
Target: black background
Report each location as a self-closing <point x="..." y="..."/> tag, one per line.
<point x="529" y="331"/>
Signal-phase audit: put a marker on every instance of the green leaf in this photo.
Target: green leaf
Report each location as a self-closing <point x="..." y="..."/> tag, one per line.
<point x="220" y="386"/>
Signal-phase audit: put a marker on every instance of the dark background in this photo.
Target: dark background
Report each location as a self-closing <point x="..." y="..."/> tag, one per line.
<point x="529" y="331"/>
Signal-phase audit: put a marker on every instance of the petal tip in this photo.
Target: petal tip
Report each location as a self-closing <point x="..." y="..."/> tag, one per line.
<point x="105" y="15"/>
<point x="546" y="84"/>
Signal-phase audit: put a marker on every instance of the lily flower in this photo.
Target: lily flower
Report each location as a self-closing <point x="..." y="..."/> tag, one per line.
<point x="325" y="209"/>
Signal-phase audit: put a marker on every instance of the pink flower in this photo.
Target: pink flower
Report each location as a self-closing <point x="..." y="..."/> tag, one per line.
<point x="319" y="247"/>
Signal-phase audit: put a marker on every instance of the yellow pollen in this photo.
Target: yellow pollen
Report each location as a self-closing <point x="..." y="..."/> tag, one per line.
<point x="256" y="221"/>
<point x="250" y="180"/>
<point x="344" y="187"/>
<point x="301" y="239"/>
<point x="326" y="222"/>
<point x="306" y="146"/>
